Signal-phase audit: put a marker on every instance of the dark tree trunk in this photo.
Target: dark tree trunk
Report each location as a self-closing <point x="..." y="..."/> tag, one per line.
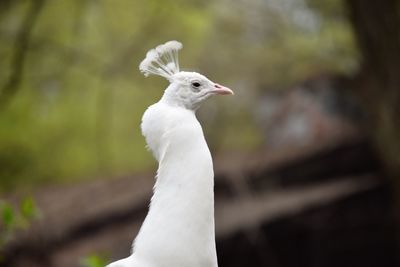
<point x="21" y="46"/>
<point x="377" y="29"/>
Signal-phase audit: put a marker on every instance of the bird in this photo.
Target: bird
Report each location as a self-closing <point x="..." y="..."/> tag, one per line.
<point x="179" y="229"/>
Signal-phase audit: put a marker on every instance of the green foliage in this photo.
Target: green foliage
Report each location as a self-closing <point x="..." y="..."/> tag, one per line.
<point x="8" y="216"/>
<point x="94" y="260"/>
<point x="16" y="218"/>
<point x="28" y="209"/>
<point x="77" y="112"/>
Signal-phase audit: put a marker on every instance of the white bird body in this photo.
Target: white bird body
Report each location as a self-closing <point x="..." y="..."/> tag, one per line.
<point x="180" y="222"/>
<point x="179" y="228"/>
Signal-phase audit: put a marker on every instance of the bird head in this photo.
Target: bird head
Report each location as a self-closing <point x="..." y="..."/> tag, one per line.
<point x="186" y="89"/>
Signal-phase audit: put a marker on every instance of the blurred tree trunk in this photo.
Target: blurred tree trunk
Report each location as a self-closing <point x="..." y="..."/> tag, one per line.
<point x="21" y="45"/>
<point x="377" y="29"/>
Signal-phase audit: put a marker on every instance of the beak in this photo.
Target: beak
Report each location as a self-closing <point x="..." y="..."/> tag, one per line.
<point x="221" y="90"/>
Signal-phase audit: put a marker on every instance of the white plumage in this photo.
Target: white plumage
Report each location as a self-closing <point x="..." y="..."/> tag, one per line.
<point x="179" y="228"/>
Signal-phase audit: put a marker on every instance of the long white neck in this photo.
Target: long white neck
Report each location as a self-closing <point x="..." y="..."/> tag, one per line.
<point x="179" y="228"/>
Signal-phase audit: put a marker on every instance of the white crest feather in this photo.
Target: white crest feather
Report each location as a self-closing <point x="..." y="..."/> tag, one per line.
<point x="162" y="60"/>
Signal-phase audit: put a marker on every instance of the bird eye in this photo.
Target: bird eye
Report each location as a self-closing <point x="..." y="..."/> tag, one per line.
<point x="196" y="84"/>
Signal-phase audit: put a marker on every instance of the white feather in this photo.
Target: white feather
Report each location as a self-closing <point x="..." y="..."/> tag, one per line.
<point x="179" y="228"/>
<point x="162" y="60"/>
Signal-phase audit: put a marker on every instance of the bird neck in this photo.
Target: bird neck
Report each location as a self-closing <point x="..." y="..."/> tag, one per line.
<point x="181" y="214"/>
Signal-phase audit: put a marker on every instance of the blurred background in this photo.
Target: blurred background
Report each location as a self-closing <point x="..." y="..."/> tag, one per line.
<point x="307" y="152"/>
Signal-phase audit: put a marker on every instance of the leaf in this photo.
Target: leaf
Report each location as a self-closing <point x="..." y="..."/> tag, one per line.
<point x="28" y="208"/>
<point x="8" y="215"/>
<point x="94" y="260"/>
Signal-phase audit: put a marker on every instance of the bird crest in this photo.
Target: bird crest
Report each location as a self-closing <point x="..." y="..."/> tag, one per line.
<point x="162" y="60"/>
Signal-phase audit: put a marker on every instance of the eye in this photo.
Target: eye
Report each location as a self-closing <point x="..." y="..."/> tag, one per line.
<point x="196" y="85"/>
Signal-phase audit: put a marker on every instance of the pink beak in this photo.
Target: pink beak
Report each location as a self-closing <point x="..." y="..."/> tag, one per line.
<point x="222" y="90"/>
